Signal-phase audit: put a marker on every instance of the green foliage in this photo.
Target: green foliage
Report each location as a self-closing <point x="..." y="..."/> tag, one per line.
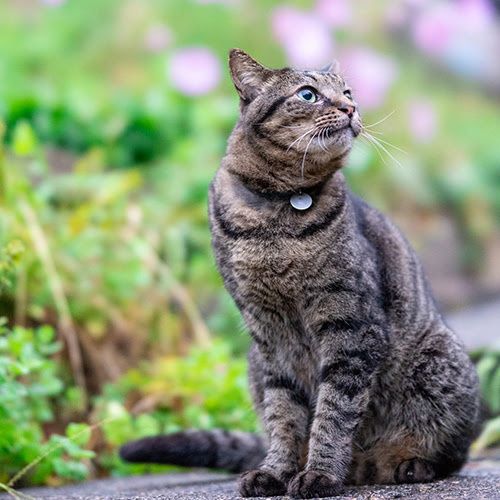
<point x="30" y="382"/>
<point x="488" y="369"/>
<point x="9" y="257"/>
<point x="127" y="133"/>
<point x="490" y="435"/>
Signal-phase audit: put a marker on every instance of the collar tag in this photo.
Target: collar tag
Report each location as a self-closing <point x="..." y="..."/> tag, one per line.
<point x="301" y="201"/>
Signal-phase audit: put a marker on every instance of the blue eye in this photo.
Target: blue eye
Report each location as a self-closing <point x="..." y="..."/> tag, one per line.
<point x="307" y="94"/>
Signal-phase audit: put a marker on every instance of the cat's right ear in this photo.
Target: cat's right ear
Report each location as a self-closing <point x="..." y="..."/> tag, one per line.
<point x="248" y="75"/>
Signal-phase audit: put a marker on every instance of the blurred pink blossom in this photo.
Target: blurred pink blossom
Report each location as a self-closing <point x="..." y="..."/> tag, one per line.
<point x="476" y="15"/>
<point x="53" y="3"/>
<point x="194" y="71"/>
<point x="422" y="120"/>
<point x="158" y="38"/>
<point x="371" y="75"/>
<point x="434" y="28"/>
<point x="336" y="13"/>
<point x="305" y="38"/>
<point x="440" y="25"/>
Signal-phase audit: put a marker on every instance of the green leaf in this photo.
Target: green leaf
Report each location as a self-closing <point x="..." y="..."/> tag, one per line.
<point x="489" y="437"/>
<point x="24" y="142"/>
<point x="79" y="433"/>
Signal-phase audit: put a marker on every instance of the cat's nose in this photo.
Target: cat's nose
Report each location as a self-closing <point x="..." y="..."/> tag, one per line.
<point x="347" y="109"/>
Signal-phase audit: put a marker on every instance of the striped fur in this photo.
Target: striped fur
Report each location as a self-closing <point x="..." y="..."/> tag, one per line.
<point x="354" y="373"/>
<point x="234" y="451"/>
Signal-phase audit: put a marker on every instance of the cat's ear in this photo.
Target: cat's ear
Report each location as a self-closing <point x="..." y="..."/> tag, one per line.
<point x="333" y="67"/>
<point x="247" y="74"/>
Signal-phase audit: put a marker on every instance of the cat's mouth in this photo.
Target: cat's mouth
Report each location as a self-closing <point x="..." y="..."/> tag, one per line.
<point x="333" y="140"/>
<point x="330" y="132"/>
<point x="333" y="134"/>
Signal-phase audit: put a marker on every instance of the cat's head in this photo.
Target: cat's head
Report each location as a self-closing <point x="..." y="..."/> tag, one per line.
<point x="294" y="110"/>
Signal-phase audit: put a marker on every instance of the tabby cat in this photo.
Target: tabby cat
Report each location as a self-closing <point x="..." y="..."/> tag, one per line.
<point x="354" y="373"/>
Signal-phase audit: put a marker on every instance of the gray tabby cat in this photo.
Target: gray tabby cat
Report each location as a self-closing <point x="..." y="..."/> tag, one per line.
<point x="354" y="373"/>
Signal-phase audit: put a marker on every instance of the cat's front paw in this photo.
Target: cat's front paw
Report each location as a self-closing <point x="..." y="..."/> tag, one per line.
<point x="260" y="483"/>
<point x="314" y="484"/>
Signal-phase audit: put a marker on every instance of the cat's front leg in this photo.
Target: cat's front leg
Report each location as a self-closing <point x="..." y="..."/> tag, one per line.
<point x="349" y="360"/>
<point x="285" y="416"/>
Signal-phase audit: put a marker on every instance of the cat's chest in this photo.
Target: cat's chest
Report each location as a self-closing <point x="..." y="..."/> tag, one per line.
<point x="281" y="266"/>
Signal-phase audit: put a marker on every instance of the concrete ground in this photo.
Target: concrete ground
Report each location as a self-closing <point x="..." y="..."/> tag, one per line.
<point x="480" y="479"/>
<point x="479" y="325"/>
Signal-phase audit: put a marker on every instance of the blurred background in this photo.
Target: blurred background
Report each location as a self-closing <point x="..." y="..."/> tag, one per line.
<point x="113" y="118"/>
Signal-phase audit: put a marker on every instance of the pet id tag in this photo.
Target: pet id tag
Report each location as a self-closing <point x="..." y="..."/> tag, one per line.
<point x="301" y="201"/>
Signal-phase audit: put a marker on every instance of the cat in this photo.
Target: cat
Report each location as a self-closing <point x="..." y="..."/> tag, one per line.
<point x="353" y="371"/>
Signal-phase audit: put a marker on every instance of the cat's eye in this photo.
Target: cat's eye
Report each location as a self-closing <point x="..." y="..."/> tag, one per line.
<point x="307" y="94"/>
<point x="348" y="94"/>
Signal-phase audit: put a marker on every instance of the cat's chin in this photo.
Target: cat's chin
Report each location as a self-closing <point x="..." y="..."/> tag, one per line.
<point x="333" y="146"/>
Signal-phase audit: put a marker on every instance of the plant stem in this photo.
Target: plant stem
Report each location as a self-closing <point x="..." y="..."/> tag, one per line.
<point x="65" y="321"/>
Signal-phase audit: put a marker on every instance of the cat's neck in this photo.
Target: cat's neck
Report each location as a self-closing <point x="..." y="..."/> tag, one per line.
<point x="269" y="171"/>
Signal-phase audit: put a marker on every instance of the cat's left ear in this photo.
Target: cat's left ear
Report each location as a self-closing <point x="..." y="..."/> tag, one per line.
<point x="333" y="67"/>
<point x="248" y="75"/>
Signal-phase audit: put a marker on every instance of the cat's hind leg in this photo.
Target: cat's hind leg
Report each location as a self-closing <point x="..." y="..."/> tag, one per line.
<point x="423" y="415"/>
<point x="394" y="463"/>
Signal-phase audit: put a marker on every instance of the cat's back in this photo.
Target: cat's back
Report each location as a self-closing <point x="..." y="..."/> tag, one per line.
<point x="407" y="295"/>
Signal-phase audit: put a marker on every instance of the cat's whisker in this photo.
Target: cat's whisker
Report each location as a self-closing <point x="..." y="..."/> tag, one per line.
<point x="374" y="141"/>
<point x="324" y="140"/>
<point x="390" y="144"/>
<point x="370" y="125"/>
<point x="384" y="141"/>
<point x="374" y="132"/>
<point x="325" y="132"/>
<point x="321" y="140"/>
<point x="305" y="153"/>
<point x="375" y="146"/>
<point x="300" y="138"/>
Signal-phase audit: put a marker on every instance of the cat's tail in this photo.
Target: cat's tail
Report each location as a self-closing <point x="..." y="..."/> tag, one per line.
<point x="218" y="449"/>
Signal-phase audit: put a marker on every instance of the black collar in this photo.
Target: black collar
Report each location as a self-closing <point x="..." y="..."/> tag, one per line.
<point x="270" y="195"/>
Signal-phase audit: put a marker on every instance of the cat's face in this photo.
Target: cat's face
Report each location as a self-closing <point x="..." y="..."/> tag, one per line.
<point x="296" y="111"/>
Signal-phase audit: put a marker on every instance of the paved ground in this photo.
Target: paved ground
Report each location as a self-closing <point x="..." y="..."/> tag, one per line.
<point x="480" y="479"/>
<point x="479" y="325"/>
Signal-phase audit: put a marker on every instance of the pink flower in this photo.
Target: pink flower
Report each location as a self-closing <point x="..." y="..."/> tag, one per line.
<point x="305" y="37"/>
<point x="371" y="75"/>
<point x="443" y="27"/>
<point x="52" y="3"/>
<point x="194" y="71"/>
<point x="336" y="13"/>
<point x="434" y="28"/>
<point x="158" y="38"/>
<point x="477" y="15"/>
<point x="422" y="120"/>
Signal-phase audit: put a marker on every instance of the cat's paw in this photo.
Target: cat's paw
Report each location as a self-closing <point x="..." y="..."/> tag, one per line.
<point x="314" y="484"/>
<point x="416" y="470"/>
<point x="260" y="483"/>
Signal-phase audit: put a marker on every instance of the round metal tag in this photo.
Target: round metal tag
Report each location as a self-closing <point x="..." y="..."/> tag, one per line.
<point x="301" y="201"/>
